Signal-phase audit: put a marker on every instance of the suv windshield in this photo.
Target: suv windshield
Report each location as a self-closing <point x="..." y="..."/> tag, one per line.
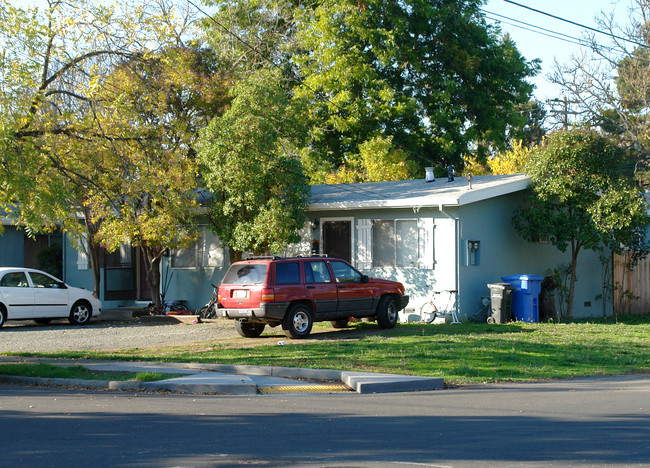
<point x="246" y="273"/>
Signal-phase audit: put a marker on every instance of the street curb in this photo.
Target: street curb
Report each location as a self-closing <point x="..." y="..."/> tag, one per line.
<point x="61" y="382"/>
<point x="233" y="379"/>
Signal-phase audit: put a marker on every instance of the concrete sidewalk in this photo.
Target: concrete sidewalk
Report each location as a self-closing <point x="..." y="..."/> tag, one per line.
<point x="231" y="379"/>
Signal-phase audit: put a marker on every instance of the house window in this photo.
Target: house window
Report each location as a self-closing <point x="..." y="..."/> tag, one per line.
<point x="395" y="243"/>
<point x="120" y="257"/>
<point x="82" y="253"/>
<point x="205" y="252"/>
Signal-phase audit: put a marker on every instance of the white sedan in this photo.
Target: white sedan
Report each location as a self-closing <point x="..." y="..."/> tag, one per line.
<point x="33" y="294"/>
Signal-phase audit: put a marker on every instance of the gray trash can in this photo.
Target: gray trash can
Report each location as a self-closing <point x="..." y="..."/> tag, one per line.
<point x="500" y="302"/>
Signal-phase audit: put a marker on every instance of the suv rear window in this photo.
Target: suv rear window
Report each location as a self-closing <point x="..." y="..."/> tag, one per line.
<point x="246" y="273"/>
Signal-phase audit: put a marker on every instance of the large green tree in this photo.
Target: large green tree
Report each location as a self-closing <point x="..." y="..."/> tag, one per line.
<point x="581" y="198"/>
<point x="431" y="76"/>
<point x="250" y="165"/>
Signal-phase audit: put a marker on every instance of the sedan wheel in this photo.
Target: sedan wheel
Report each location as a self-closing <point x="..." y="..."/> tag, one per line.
<point x="3" y="316"/>
<point x="80" y="313"/>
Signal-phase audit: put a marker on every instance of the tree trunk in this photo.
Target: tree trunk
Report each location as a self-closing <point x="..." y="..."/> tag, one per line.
<point x="152" y="257"/>
<point x="93" y="256"/>
<point x="575" y="249"/>
<point x="94" y="249"/>
<point x="235" y="255"/>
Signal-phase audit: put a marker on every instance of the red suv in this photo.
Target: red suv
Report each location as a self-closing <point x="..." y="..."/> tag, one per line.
<point x="296" y="292"/>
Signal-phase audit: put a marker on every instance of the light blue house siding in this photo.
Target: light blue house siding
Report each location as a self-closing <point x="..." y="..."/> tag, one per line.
<point x="13" y="246"/>
<point x="503" y="252"/>
<point x="465" y="239"/>
<point x="439" y="236"/>
<point x="186" y="274"/>
<point x="76" y="269"/>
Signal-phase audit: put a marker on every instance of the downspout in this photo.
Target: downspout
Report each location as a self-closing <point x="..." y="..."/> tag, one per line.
<point x="457" y="274"/>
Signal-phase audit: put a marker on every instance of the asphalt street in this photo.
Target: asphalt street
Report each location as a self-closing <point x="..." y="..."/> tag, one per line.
<point x="586" y="422"/>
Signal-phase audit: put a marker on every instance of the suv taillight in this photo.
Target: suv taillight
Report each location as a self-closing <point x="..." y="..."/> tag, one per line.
<point x="268" y="295"/>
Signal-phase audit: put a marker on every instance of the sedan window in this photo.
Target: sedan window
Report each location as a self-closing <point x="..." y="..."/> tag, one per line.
<point x="43" y="281"/>
<point x="15" y="279"/>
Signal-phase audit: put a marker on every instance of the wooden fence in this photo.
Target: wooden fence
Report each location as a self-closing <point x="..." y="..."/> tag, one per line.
<point x="631" y="286"/>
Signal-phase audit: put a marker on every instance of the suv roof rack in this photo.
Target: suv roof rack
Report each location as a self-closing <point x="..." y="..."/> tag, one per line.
<point x="277" y="257"/>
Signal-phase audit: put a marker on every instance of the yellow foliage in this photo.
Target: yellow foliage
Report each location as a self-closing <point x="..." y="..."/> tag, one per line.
<point x="474" y="167"/>
<point x="512" y="161"/>
<point x="378" y="161"/>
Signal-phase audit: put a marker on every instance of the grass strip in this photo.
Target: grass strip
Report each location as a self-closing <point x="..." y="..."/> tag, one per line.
<point x="466" y="353"/>
<point x="79" y="372"/>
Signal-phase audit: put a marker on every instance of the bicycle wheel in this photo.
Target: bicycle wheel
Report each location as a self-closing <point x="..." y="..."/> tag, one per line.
<point x="202" y="312"/>
<point x="428" y="312"/>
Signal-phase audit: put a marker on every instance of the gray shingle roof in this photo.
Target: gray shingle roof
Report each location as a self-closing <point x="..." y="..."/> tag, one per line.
<point x="414" y="193"/>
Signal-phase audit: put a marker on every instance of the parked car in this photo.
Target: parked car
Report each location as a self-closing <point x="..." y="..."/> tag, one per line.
<point x="26" y="293"/>
<point x="296" y="292"/>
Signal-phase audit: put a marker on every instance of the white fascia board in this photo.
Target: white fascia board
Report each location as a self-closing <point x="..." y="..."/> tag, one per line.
<point x="401" y="203"/>
<point x="492" y="192"/>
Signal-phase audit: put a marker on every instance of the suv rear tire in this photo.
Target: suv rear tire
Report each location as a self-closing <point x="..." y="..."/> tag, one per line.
<point x="297" y="321"/>
<point x="249" y="329"/>
<point x="387" y="312"/>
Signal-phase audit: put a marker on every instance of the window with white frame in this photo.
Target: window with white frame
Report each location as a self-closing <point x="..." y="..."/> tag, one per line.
<point x="395" y="243"/>
<point x="205" y="252"/>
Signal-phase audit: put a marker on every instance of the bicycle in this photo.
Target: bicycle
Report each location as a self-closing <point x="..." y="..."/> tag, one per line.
<point x="167" y="307"/>
<point x="429" y="310"/>
<point x="209" y="310"/>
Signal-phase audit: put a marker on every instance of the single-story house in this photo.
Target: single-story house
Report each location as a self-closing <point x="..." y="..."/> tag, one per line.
<point x="440" y="235"/>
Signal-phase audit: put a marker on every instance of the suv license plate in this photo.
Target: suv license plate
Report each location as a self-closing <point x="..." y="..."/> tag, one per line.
<point x="242" y="311"/>
<point x="240" y="293"/>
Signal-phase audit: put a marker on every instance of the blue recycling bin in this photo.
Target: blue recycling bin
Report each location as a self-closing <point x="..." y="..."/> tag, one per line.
<point x="525" y="297"/>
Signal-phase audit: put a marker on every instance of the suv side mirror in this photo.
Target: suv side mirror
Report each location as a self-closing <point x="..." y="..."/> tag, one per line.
<point x="364" y="279"/>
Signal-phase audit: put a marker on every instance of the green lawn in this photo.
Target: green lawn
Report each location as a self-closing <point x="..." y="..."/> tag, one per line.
<point x="460" y="353"/>
<point x="78" y="372"/>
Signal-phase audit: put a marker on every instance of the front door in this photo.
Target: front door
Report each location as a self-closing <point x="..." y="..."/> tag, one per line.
<point x="337" y="239"/>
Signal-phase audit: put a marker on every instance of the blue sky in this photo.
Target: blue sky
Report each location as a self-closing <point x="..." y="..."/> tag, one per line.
<point x="534" y="45"/>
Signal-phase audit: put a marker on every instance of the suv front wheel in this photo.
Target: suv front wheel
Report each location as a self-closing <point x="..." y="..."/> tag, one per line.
<point x="387" y="312"/>
<point x="297" y="321"/>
